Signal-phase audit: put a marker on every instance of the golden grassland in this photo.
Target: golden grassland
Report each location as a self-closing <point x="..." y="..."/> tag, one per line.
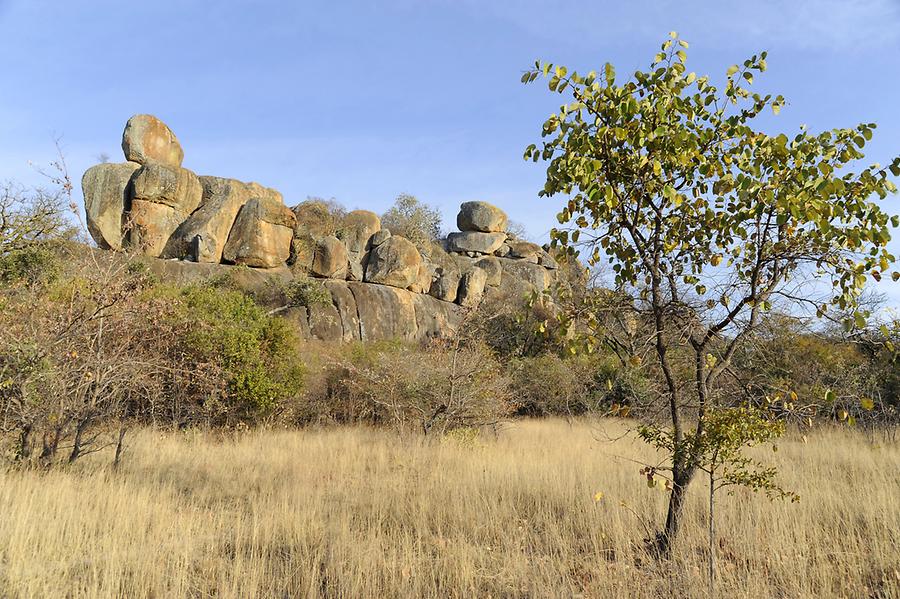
<point x="355" y="512"/>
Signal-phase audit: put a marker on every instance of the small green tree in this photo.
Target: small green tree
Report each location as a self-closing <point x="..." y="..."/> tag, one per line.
<point x="707" y="223"/>
<point x="719" y="451"/>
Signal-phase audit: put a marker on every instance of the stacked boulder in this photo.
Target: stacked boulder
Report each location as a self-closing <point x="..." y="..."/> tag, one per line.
<point x="381" y="285"/>
<point x="490" y="257"/>
<point x="154" y="206"/>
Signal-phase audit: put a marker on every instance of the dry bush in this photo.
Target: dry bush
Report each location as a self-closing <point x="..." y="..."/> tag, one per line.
<point x="105" y="345"/>
<point x="444" y="385"/>
<point x="74" y="357"/>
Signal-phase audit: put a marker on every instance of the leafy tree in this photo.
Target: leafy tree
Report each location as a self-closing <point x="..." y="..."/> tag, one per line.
<point x="415" y="220"/>
<point x="707" y="222"/>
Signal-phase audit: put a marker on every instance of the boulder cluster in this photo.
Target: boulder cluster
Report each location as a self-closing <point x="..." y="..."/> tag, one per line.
<point x="152" y="204"/>
<point x="378" y="281"/>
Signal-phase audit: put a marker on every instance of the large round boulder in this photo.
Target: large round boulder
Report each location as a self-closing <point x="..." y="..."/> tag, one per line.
<point x="106" y="188"/>
<point x="261" y="234"/>
<point x="481" y="216"/>
<point x="395" y="262"/>
<point x="147" y="140"/>
<point x="330" y="258"/>
<point x="358" y="228"/>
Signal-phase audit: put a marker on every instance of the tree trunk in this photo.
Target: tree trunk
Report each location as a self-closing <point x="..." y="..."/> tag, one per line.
<point x="120" y="446"/>
<point x="50" y="445"/>
<point x="23" y="451"/>
<point x="666" y="539"/>
<point x="79" y="437"/>
<point x="712" y="535"/>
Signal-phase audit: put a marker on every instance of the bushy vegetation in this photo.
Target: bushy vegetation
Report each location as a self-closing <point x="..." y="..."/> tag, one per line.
<point x="413" y="219"/>
<point x="444" y="385"/>
<point x="90" y="347"/>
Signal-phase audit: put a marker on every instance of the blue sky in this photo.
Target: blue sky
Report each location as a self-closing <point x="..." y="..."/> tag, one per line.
<point x="362" y="101"/>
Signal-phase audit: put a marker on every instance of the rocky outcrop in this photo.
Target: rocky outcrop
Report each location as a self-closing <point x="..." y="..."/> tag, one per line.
<point x="162" y="197"/>
<point x="471" y="288"/>
<point x="203" y="235"/>
<point x="493" y="270"/>
<point x="378" y="285"/>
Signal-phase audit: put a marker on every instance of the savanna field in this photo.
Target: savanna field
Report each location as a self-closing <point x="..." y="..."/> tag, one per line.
<point x="538" y="509"/>
<point x="450" y="300"/>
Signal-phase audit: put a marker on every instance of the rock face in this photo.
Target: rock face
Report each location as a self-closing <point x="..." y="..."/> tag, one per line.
<point x="493" y="271"/>
<point x="384" y="312"/>
<point x="395" y="262"/>
<point x="261" y="235"/>
<point x="162" y="198"/>
<point x="533" y="274"/>
<point x="213" y="220"/>
<point x="147" y="140"/>
<point x="471" y="288"/>
<point x="345" y="303"/>
<point x="379" y="237"/>
<point x="378" y="285"/>
<point x="481" y="216"/>
<point x="106" y="200"/>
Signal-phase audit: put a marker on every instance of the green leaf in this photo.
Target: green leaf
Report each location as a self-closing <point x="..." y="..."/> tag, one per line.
<point x="609" y="73"/>
<point x="669" y="192"/>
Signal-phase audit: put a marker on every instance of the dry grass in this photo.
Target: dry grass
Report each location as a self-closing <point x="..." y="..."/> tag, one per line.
<point x="362" y="513"/>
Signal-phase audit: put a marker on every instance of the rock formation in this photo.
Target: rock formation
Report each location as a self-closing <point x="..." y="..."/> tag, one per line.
<point x="381" y="285"/>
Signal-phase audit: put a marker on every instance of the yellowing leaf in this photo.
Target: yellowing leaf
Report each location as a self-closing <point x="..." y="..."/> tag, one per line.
<point x="732" y="70"/>
<point x="598" y="496"/>
<point x="867" y="404"/>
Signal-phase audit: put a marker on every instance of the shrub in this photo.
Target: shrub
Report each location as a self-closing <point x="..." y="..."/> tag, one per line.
<point x="33" y="265"/>
<point x="255" y="353"/>
<point x="444" y="386"/>
<point x="415" y="220"/>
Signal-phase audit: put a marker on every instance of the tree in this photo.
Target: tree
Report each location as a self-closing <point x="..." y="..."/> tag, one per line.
<point x="415" y="220"/>
<point x="707" y="222"/>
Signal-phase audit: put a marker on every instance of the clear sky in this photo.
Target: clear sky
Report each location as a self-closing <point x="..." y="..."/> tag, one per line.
<point x="361" y="101"/>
